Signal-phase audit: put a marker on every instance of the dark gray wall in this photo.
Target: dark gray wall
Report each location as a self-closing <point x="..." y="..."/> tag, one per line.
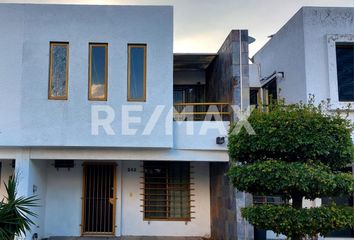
<point x="228" y="81"/>
<point x="228" y="75"/>
<point x="223" y="204"/>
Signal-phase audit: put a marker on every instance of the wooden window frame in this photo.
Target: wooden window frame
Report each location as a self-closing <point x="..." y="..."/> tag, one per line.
<point x="50" y="93"/>
<point x="167" y="218"/>
<point x="144" y="46"/>
<point x="90" y="97"/>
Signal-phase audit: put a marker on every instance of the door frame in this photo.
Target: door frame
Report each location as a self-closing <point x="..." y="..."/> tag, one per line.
<point x="82" y="225"/>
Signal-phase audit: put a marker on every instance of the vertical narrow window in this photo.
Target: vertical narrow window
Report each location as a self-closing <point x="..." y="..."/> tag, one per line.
<point x="98" y="71"/>
<point x="345" y="72"/>
<point x="167" y="191"/>
<point x="137" y="72"/>
<point x="58" y="71"/>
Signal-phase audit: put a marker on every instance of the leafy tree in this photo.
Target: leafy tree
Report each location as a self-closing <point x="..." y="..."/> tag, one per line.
<point x="298" y="152"/>
<point x="15" y="212"/>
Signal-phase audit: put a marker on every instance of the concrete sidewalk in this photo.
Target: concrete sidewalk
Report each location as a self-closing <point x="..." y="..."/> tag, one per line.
<point x="125" y="238"/>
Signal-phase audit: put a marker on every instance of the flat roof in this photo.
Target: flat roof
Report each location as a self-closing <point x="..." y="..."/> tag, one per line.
<point x="192" y="61"/>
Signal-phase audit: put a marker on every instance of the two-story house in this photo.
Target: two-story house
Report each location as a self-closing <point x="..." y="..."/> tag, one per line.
<point x="118" y="136"/>
<point x="114" y="134"/>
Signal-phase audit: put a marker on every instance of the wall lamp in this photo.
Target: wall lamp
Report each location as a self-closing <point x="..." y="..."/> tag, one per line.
<point x="220" y="140"/>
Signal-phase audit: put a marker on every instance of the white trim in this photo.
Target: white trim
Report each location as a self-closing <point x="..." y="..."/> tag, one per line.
<point x="332" y="39"/>
<point x="119" y="196"/>
<point x="275" y="74"/>
<point x="117" y="154"/>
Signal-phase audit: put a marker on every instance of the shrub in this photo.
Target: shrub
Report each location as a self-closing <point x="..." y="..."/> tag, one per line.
<point x="15" y="212"/>
<point x="298" y="151"/>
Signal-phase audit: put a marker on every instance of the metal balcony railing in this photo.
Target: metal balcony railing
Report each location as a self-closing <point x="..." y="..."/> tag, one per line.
<point x="212" y="111"/>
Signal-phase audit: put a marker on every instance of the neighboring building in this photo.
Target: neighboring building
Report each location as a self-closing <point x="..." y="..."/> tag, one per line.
<point x="74" y="81"/>
<point x="312" y="54"/>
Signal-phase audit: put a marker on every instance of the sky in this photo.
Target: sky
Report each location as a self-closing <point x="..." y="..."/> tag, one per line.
<point x="201" y="26"/>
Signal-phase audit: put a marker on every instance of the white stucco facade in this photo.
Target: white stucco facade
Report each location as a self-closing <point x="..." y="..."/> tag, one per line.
<point x="30" y="119"/>
<point x="285" y="52"/>
<point x="304" y="50"/>
<point x="36" y="131"/>
<point x="60" y="194"/>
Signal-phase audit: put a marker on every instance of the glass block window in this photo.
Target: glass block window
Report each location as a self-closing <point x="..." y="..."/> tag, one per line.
<point x="58" y="71"/>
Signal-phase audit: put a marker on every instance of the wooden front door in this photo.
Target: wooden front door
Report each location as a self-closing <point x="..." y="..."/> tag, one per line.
<point x="99" y="199"/>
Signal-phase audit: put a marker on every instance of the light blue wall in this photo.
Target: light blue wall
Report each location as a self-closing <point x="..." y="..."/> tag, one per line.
<point x="28" y="118"/>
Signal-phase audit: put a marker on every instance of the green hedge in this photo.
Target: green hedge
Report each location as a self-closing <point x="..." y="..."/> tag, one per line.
<point x="297" y="152"/>
<point x="289" y="179"/>
<point x="309" y="222"/>
<point x="295" y="133"/>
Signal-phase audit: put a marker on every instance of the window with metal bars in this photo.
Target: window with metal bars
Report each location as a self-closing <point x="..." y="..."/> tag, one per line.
<point x="167" y="191"/>
<point x="276" y="200"/>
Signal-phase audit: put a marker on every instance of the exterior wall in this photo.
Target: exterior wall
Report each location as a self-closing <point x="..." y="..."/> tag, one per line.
<point x="228" y="75"/>
<point x="202" y="136"/>
<point x="223" y="219"/>
<point x="228" y="81"/>
<point x="301" y="50"/>
<point x="60" y="193"/>
<point x="285" y="52"/>
<point x="30" y="119"/>
<point x="133" y="223"/>
<point x="318" y="24"/>
<point x="226" y="220"/>
<point x="11" y="23"/>
<point x="63" y="200"/>
<point x="255" y="75"/>
<point x="38" y="187"/>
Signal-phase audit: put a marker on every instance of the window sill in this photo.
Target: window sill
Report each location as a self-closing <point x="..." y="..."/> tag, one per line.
<point x="168" y="220"/>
